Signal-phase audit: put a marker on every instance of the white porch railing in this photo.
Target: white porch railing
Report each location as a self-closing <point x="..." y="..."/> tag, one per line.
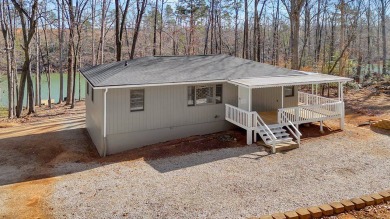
<point x="296" y="133"/>
<point x="251" y="121"/>
<point x="311" y="99"/>
<point x="310" y="113"/>
<point x="239" y="117"/>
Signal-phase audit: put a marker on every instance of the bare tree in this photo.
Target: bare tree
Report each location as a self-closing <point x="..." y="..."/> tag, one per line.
<point x="28" y="23"/>
<point x="141" y="6"/>
<point x="155" y="28"/>
<point x="120" y="19"/>
<point x="294" y="8"/>
<point x="383" y="8"/>
<point x="6" y="30"/>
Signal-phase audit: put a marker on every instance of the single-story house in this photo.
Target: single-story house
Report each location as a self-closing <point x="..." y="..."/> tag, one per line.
<point x="148" y="100"/>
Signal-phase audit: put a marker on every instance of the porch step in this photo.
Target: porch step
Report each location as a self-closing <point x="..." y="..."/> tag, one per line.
<point x="283" y="146"/>
<point x="278" y="134"/>
<point x="279" y="140"/>
<point x="282" y="136"/>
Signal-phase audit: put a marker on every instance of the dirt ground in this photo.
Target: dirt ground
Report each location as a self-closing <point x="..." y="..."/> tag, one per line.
<point x="372" y="212"/>
<point x="39" y="150"/>
<point x="366" y="105"/>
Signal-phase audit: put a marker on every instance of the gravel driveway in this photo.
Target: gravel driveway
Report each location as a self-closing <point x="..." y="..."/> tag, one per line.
<point x="71" y="182"/>
<point x="230" y="183"/>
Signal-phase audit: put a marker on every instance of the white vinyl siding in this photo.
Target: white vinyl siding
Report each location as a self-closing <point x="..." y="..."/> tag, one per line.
<point x="94" y="119"/>
<point x="165" y="106"/>
<point x="270" y="99"/>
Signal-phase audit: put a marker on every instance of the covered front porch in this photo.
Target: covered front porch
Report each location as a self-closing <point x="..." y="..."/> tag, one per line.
<point x="273" y="108"/>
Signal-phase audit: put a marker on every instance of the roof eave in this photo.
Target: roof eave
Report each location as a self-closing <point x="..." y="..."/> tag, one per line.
<point x="160" y="84"/>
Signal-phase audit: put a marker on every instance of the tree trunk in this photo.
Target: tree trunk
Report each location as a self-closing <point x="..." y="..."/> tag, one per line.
<point x="4" y="14"/>
<point x="102" y="32"/>
<point x="369" y="55"/>
<point x="236" y="9"/>
<point x="342" y="37"/>
<point x="383" y="25"/>
<point x="93" y="11"/>
<point x="245" y="49"/>
<point x="37" y="77"/>
<point x="70" y="84"/>
<point x="28" y="33"/>
<point x="275" y="39"/>
<point x="155" y="28"/>
<point x="140" y="13"/>
<point x="61" y="27"/>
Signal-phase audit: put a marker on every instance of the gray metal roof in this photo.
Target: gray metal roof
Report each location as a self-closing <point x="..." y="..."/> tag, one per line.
<point x="179" y="69"/>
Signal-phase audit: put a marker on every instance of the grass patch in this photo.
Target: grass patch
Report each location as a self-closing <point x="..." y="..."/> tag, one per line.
<point x="3" y="112"/>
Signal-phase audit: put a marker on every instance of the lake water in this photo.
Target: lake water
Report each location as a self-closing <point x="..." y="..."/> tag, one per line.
<point x="55" y="88"/>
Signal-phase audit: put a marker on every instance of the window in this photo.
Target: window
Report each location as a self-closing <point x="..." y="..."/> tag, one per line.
<point x="92" y="94"/>
<point x="191" y="96"/>
<point x="202" y="95"/>
<point x="137" y="99"/>
<point x="289" y="91"/>
<point x="218" y="93"/>
<point x="87" y="88"/>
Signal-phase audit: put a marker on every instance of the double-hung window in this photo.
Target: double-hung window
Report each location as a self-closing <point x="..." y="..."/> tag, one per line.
<point x="137" y="100"/>
<point x="204" y="94"/>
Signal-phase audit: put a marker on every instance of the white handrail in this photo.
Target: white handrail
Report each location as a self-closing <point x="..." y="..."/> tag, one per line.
<point x="264" y="127"/>
<point x="247" y="120"/>
<point x="297" y="134"/>
<point x="312" y="99"/>
<point x="238" y="116"/>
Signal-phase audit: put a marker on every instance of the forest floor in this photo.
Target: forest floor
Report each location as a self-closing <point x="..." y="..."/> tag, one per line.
<point x="50" y="169"/>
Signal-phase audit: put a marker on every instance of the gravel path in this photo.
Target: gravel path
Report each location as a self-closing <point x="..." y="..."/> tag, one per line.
<point x="228" y="183"/>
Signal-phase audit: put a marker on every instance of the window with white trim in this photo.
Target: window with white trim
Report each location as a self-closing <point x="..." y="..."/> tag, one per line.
<point x="204" y="94"/>
<point x="137" y="100"/>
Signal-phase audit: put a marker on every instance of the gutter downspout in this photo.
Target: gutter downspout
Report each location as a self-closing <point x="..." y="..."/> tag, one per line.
<point x="105" y="123"/>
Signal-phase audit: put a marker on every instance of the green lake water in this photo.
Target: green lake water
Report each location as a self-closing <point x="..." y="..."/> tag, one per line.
<point x="55" y="88"/>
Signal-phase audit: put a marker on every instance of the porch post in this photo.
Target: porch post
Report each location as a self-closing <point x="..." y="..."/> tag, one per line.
<point x="249" y="131"/>
<point x="338" y="92"/>
<point x="282" y="97"/>
<point x="250" y="99"/>
<point x="342" y="112"/>
<point x="321" y="127"/>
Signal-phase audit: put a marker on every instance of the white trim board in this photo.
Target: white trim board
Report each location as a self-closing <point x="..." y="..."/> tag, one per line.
<point x="288" y="80"/>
